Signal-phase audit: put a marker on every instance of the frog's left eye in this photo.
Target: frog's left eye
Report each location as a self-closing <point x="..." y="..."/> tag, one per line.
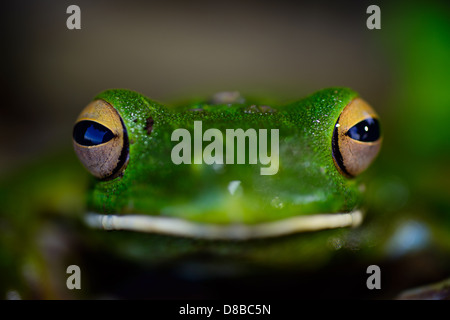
<point x="100" y="140"/>
<point x="356" y="138"/>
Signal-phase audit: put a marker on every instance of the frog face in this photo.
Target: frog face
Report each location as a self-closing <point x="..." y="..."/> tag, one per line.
<point x="182" y="172"/>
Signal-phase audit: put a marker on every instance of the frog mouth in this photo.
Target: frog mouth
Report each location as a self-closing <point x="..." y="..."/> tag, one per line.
<point x="209" y="231"/>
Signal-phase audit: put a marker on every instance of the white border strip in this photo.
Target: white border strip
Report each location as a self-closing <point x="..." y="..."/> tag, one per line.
<point x="191" y="229"/>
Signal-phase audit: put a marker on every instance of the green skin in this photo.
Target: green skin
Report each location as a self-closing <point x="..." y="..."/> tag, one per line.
<point x="307" y="181"/>
<point x="154" y="185"/>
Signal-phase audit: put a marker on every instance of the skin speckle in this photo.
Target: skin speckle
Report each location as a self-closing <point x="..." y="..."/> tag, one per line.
<point x="149" y="125"/>
<point x="196" y="109"/>
<point x="154" y="182"/>
<point x="263" y="109"/>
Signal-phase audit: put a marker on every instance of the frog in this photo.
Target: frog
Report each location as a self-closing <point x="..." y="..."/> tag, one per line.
<point x="139" y="206"/>
<point x="136" y="203"/>
<point x="127" y="142"/>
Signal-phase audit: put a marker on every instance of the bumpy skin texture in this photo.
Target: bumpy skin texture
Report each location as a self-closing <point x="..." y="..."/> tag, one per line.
<point x="307" y="181"/>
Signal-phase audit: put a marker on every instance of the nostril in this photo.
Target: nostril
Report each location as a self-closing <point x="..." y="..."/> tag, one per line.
<point x="149" y="125"/>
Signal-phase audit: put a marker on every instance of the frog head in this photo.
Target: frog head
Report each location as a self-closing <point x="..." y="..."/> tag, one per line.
<point x="226" y="168"/>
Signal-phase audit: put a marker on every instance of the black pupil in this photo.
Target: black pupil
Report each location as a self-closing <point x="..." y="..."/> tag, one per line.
<point x="367" y="130"/>
<point x="90" y="133"/>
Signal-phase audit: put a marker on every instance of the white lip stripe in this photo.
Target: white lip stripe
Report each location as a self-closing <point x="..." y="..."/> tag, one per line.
<point x="184" y="228"/>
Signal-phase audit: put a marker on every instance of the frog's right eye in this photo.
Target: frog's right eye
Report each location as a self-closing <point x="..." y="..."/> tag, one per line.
<point x="100" y="140"/>
<point x="356" y="138"/>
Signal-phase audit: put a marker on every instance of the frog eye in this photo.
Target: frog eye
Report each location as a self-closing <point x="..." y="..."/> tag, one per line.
<point x="356" y="138"/>
<point x="100" y="140"/>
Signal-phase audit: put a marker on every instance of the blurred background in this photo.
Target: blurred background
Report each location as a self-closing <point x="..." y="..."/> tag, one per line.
<point x="175" y="50"/>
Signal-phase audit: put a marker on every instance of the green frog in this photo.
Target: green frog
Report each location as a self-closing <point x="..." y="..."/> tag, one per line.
<point x="322" y="144"/>
<point x="211" y="202"/>
<point x="286" y="196"/>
